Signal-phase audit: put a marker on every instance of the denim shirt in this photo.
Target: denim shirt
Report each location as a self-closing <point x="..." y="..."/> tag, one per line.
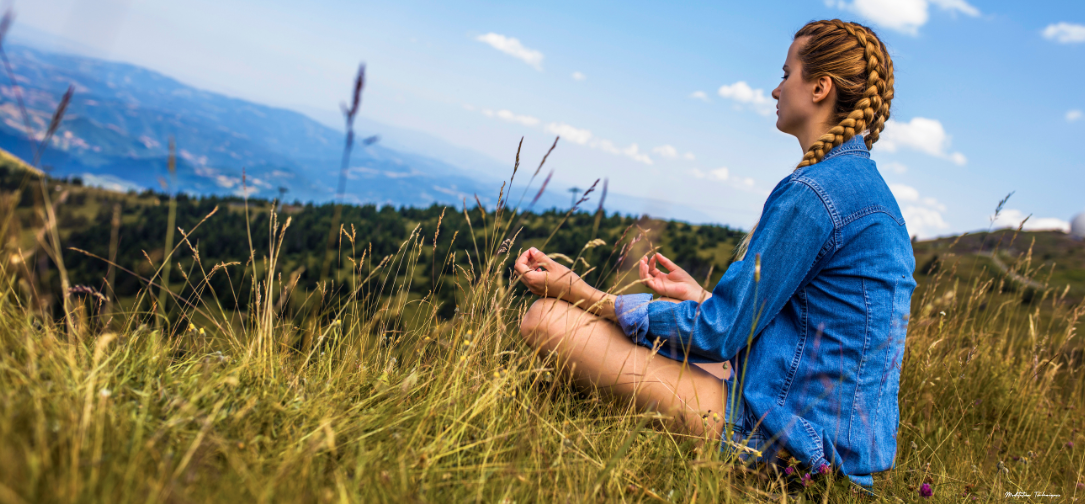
<point x="816" y="343"/>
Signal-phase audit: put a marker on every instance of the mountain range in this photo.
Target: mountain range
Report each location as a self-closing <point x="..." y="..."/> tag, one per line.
<point x="117" y="128"/>
<point x="118" y="125"/>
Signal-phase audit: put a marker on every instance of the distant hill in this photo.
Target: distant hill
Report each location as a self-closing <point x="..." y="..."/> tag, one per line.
<point x="117" y="127"/>
<point x="7" y="160"/>
<point x="1047" y="258"/>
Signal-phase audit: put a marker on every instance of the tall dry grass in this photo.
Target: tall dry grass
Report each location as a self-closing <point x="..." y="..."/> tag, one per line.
<point x="385" y="402"/>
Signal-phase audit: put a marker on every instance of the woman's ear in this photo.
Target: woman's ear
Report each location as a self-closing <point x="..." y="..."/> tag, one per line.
<point x="823" y="87"/>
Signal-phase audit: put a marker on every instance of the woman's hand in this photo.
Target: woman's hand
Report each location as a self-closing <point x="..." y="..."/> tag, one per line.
<point x="545" y="277"/>
<point x="677" y="284"/>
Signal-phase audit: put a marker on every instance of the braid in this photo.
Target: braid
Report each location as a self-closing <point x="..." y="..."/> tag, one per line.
<point x="861" y="104"/>
<point x="872" y="109"/>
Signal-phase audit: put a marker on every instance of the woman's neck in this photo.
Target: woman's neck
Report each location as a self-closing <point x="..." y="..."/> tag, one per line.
<point x="815" y="129"/>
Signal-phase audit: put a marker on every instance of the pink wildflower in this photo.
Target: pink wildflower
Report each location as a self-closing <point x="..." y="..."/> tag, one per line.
<point x="823" y="469"/>
<point x="925" y="491"/>
<point x="791" y="470"/>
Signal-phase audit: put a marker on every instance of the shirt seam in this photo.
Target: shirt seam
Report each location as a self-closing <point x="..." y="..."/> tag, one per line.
<point x="862" y="362"/>
<point x="830" y="208"/>
<point x="796" y="360"/>
<point x="870" y="210"/>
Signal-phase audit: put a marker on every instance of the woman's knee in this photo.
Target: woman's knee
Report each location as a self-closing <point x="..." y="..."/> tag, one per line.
<point x="536" y="320"/>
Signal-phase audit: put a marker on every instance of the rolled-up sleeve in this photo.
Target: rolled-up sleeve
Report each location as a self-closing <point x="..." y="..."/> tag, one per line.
<point x="632" y="313"/>
<point x="795" y="230"/>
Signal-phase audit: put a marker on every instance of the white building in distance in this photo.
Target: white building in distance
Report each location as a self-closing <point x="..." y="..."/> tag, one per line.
<point x="1077" y="225"/>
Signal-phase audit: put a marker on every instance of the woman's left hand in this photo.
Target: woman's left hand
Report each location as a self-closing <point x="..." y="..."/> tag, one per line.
<point x="544" y="277"/>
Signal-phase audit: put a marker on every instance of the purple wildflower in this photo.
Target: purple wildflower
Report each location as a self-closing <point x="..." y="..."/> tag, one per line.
<point x="1069" y="444"/>
<point x="791" y="470"/>
<point x="806" y="479"/>
<point x="925" y="491"/>
<point x="1080" y="486"/>
<point x="823" y="469"/>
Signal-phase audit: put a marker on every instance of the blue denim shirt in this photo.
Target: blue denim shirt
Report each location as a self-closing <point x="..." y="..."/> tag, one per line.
<point x="822" y="332"/>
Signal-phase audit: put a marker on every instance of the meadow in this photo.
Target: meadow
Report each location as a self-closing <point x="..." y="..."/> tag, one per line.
<point x="363" y="387"/>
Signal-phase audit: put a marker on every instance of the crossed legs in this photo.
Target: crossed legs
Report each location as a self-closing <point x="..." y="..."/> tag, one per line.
<point x="595" y="352"/>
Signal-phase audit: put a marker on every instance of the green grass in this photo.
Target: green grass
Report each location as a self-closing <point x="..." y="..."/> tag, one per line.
<point x="378" y="399"/>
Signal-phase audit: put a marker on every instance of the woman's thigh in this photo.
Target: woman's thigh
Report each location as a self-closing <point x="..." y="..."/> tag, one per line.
<point x="595" y="352"/>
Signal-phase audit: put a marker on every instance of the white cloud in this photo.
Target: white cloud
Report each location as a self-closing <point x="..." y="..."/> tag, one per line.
<point x="667" y="151"/>
<point x="744" y="94"/>
<point x="670" y="152"/>
<point x="1065" y="33"/>
<point x="1012" y="218"/>
<point x="585" y="137"/>
<point x="894" y="167"/>
<point x="699" y="95"/>
<point x="469" y="107"/>
<point x="903" y="15"/>
<point x="632" y="152"/>
<point x="513" y="47"/>
<point x="922" y="216"/>
<point x="954" y="6"/>
<point x="1073" y="115"/>
<point x="246" y="191"/>
<point x="922" y="134"/>
<point x="577" y="76"/>
<point x="509" y="116"/>
<point x="923" y="222"/>
<point x="575" y="135"/>
<point x="904" y="193"/>
<point x="721" y="174"/>
<point x="109" y="183"/>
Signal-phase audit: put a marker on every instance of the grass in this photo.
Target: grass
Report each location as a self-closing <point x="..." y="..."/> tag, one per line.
<point x="381" y="401"/>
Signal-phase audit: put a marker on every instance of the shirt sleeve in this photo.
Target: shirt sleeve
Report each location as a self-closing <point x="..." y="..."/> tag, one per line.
<point x="632" y="313"/>
<point x="795" y="230"/>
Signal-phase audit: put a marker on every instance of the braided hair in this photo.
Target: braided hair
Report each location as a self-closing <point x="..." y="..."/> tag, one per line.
<point x="861" y="70"/>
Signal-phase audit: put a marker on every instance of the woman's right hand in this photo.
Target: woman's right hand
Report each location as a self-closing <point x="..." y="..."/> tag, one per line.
<point x="677" y="284"/>
<point x="544" y="277"/>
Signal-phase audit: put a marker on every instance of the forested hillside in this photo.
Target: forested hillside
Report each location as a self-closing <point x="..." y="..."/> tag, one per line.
<point x="369" y="234"/>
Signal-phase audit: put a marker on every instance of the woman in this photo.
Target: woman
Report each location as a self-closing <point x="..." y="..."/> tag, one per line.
<point x="813" y="318"/>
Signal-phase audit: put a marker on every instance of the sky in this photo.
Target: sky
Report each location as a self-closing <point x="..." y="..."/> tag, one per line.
<point x="670" y="102"/>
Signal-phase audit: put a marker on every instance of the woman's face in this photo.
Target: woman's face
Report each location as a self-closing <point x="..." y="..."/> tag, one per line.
<point x="795" y="103"/>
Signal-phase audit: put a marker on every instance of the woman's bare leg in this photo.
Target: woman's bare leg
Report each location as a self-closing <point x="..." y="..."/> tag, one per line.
<point x="595" y="352"/>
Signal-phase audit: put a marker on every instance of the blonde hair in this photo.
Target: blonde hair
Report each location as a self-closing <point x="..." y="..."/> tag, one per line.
<point x="861" y="70"/>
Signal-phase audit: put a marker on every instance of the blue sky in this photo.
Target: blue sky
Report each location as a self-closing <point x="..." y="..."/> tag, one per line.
<point x="668" y="101"/>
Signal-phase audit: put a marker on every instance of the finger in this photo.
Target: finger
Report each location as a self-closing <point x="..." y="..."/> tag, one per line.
<point x="667" y="263"/>
<point x="643" y="269"/>
<point x="652" y="266"/>
<point x="539" y="259"/>
<point x="521" y="265"/>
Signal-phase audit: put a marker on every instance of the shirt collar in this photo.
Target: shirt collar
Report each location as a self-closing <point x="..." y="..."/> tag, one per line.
<point x="855" y="146"/>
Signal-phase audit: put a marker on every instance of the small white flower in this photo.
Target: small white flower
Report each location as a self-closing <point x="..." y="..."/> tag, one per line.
<point x="105" y="393"/>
